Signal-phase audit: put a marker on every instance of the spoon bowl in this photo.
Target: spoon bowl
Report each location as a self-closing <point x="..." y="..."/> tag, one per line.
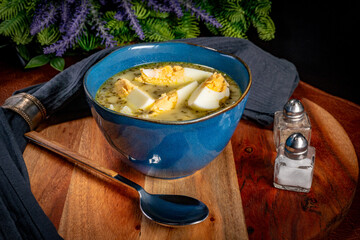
<point x="167" y="210"/>
<point x="173" y="210"/>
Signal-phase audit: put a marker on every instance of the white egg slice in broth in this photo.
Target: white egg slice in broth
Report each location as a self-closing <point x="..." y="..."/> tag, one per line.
<point x="210" y="93"/>
<point x="136" y="98"/>
<point x="184" y="92"/>
<point x="192" y="74"/>
<point x="139" y="99"/>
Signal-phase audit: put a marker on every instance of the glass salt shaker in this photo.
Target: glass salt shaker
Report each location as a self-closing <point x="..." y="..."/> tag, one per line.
<point x="292" y="119"/>
<point x="294" y="164"/>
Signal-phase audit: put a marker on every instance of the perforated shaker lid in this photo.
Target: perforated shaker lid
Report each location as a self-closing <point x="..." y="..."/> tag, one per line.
<point x="293" y="110"/>
<point x="296" y="146"/>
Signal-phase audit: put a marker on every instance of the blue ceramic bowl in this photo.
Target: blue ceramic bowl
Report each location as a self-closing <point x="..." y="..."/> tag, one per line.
<point x="167" y="149"/>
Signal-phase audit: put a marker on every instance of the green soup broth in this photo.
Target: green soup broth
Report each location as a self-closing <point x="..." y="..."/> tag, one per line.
<point x="108" y="97"/>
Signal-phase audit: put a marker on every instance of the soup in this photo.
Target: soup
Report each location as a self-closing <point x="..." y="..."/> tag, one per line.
<point x="171" y="91"/>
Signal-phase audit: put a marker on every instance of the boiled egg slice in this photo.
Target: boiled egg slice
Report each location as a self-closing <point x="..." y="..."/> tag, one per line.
<point x="139" y="99"/>
<point x="136" y="98"/>
<point x="192" y="74"/>
<point x="184" y="92"/>
<point x="174" y="98"/>
<point x="171" y="76"/>
<point x="210" y="93"/>
<point x="166" y="75"/>
<point x="126" y="110"/>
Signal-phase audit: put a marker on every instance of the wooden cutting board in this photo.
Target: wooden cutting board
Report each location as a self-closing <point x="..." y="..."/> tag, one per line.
<point x="83" y="206"/>
<point x="86" y="206"/>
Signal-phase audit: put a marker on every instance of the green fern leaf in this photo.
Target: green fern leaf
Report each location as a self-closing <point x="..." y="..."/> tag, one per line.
<point x="48" y="36"/>
<point x="234" y="12"/>
<point x="125" y="38"/>
<point x="117" y="26"/>
<point x="9" y="9"/>
<point x="88" y="42"/>
<point x="232" y="29"/>
<point x="119" y="29"/>
<point x="187" y="27"/>
<point x="140" y="10"/>
<point x="215" y="31"/>
<point x="156" y="14"/>
<point x="265" y="27"/>
<point x="108" y="16"/>
<point x="260" y="7"/>
<point x="156" y="30"/>
<point x="30" y="6"/>
<point x="22" y="36"/>
<point x="10" y="26"/>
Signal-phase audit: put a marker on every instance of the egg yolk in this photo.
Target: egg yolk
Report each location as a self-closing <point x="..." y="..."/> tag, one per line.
<point x="165" y="102"/>
<point x="123" y="87"/>
<point x="166" y="75"/>
<point x="216" y="82"/>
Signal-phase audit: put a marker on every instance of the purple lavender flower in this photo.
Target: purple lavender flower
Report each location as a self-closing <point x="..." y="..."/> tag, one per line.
<point x="200" y="13"/>
<point x="74" y="30"/>
<point x="120" y="15"/>
<point x="99" y="25"/>
<point x="134" y="22"/>
<point x="65" y="16"/>
<point x="102" y="2"/>
<point x="157" y="6"/>
<point x="176" y="7"/>
<point x="44" y="17"/>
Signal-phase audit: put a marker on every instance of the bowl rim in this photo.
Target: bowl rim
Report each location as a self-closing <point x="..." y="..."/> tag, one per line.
<point x="167" y="122"/>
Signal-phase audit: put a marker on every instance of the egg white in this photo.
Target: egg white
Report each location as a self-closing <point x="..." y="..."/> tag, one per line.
<point x="204" y="98"/>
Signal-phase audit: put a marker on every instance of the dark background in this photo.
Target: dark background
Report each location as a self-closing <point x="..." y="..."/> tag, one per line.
<point x="320" y="38"/>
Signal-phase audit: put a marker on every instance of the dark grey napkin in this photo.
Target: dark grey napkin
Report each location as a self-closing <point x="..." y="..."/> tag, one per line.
<point x="20" y="214"/>
<point x="274" y="81"/>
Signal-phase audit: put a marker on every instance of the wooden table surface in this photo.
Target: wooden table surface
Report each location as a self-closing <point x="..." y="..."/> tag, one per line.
<point x="327" y="211"/>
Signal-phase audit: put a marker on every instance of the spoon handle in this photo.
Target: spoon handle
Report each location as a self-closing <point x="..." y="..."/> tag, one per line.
<point x="78" y="159"/>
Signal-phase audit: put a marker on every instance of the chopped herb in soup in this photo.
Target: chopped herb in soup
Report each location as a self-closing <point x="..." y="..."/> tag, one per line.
<point x="172" y="91"/>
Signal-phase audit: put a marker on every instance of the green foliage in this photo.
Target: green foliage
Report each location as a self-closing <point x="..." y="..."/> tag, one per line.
<point x="140" y="10"/>
<point x="157" y="30"/>
<point x="9" y="9"/>
<point x="48" y="35"/>
<point x="119" y="29"/>
<point x="23" y="51"/>
<point x="88" y="41"/>
<point x="58" y="63"/>
<point x="38" y="61"/>
<point x="10" y="26"/>
<point x="187" y="27"/>
<point x="15" y="20"/>
<point x="236" y="17"/>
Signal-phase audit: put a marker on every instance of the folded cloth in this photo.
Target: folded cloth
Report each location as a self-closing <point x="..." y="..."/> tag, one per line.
<point x="20" y="214"/>
<point x="274" y="81"/>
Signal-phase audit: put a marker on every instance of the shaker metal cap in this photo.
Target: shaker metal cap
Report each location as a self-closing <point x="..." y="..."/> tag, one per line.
<point x="296" y="146"/>
<point x="293" y="110"/>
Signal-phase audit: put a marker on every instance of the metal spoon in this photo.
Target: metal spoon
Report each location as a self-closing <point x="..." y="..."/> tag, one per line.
<point x="168" y="210"/>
